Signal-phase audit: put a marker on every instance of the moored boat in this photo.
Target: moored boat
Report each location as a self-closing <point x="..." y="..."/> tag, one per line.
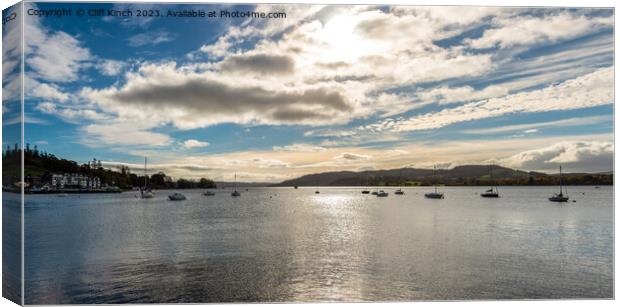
<point x="176" y="196"/>
<point x="235" y="193"/>
<point x="560" y="197"/>
<point x="145" y="191"/>
<point x="493" y="192"/>
<point x="436" y="194"/>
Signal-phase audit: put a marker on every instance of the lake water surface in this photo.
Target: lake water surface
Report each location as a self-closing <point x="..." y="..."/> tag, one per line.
<point x="282" y="244"/>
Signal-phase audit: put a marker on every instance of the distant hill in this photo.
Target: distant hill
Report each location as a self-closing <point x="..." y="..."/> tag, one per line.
<point x="460" y="175"/>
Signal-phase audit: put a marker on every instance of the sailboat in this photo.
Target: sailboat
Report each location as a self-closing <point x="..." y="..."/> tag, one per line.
<point x="559" y="197"/>
<point x="436" y="194"/>
<point x="145" y="192"/>
<point x="399" y="191"/>
<point x="176" y="196"/>
<point x="493" y="192"/>
<point x="235" y="193"/>
<point x="366" y="191"/>
<point x="376" y="191"/>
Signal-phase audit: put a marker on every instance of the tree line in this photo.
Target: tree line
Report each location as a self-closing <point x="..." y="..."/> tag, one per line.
<point x="40" y="165"/>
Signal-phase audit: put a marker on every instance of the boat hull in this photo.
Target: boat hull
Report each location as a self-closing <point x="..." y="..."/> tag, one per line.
<point x="434" y="195"/>
<point x="176" y="197"/>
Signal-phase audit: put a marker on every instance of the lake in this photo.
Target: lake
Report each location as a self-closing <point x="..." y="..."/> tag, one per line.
<point x="292" y="245"/>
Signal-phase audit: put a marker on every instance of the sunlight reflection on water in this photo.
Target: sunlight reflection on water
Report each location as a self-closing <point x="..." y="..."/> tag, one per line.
<point x="281" y="244"/>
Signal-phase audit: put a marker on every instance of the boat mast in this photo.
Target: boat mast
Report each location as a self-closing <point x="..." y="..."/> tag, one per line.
<point x="560" y="179"/>
<point x="493" y="185"/>
<point x="145" y="176"/>
<point x="435" y="176"/>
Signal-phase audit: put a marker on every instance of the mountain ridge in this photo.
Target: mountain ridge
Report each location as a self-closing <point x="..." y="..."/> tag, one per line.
<point x="459" y="175"/>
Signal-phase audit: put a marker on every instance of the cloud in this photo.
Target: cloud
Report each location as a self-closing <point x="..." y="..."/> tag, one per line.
<point x="570" y="122"/>
<point x="110" y="67"/>
<point x="346" y="156"/>
<point x="47" y="91"/>
<point x="11" y="58"/>
<point x="189" y="144"/>
<point x="46" y="107"/>
<point x="573" y="156"/>
<point x="259" y="63"/>
<point x="589" y="90"/>
<point x="150" y="38"/>
<point x="300" y="148"/>
<point x="71" y="114"/>
<point x="522" y="30"/>
<point x="449" y="95"/>
<point x="270" y="163"/>
<point x="191" y="100"/>
<point x="123" y="134"/>
<point x="219" y="48"/>
<point x="53" y="55"/>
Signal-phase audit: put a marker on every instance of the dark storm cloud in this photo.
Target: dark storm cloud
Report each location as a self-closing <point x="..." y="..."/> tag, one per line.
<point x="259" y="63"/>
<point x="200" y="96"/>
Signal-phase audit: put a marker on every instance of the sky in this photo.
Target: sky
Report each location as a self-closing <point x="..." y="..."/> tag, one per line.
<point x="327" y="88"/>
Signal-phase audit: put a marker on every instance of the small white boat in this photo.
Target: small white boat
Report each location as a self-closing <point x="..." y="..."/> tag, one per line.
<point x="382" y="194"/>
<point x="145" y="192"/>
<point x="176" y="196"/>
<point x="208" y="193"/>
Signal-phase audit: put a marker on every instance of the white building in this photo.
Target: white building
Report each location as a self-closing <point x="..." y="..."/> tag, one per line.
<point x="75" y="181"/>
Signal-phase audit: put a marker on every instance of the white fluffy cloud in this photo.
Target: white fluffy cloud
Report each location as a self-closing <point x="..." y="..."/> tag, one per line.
<point x="123" y="134"/>
<point x="590" y="90"/>
<point x="300" y="148"/>
<point x="52" y="55"/>
<point x="189" y="144"/>
<point x="522" y="30"/>
<point x="573" y="156"/>
<point x="110" y="67"/>
<point x="448" y="95"/>
<point x="150" y="38"/>
<point x="47" y="91"/>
